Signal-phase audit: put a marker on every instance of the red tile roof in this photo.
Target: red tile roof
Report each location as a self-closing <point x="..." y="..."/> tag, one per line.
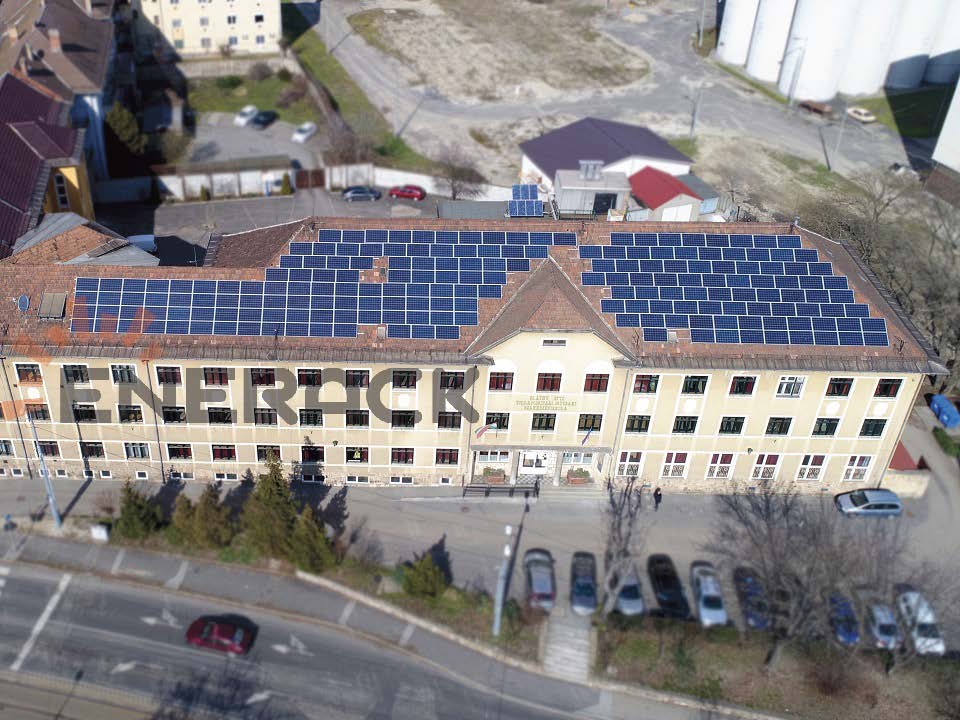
<point x="654" y="187"/>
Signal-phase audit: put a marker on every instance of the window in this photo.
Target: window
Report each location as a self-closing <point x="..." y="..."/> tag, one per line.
<point x="694" y="385"/>
<point x="358" y="455"/>
<point x="168" y="375"/>
<point x="825" y="427"/>
<point x="358" y="418"/>
<point x="205" y="42"/>
<point x="179" y="451"/>
<point x="141" y="474"/>
<point x="543" y="422"/>
<point x="576" y="458"/>
<point x="60" y="185"/>
<point x="265" y="451"/>
<point x="231" y="19"/>
<point x="448" y="456"/>
<point x="307" y="377"/>
<point x="261" y="377"/>
<point x="6" y="448"/>
<point x="720" y="466"/>
<point x="872" y="427"/>
<point x="629" y="465"/>
<point x="500" y="419"/>
<point x="215" y="376"/>
<point x="264" y="416"/>
<point x="261" y="39"/>
<point x="29" y="373"/>
<point x="38" y="412"/>
<point x="765" y="468"/>
<point x="258" y="18"/>
<point x="76" y="374"/>
<point x="219" y="416"/>
<point x="448" y="420"/>
<point x="177" y="22"/>
<point x="451" y="380"/>
<point x="224" y="452"/>
<point x="685" y="424"/>
<point x="790" y="386"/>
<point x="225" y="476"/>
<point x="84" y="413"/>
<point x="858" y="466"/>
<point x="106" y="474"/>
<point x="839" y="387"/>
<point x="398" y="480"/>
<point x="311" y="453"/>
<point x="778" y="425"/>
<point x="357" y="378"/>
<point x="401" y="456"/>
<point x="637" y="424"/>
<point x="360" y="479"/>
<point x="92" y="450"/>
<point x="731" y="425"/>
<point x="674" y="465"/>
<point x="493" y="456"/>
<point x="48" y="448"/>
<point x="548" y="382"/>
<point x="742" y="385"/>
<point x="810" y="467"/>
<point x="402" y="418"/>
<point x="645" y="383"/>
<point x="501" y="381"/>
<point x="130" y="413"/>
<point x="589" y="422"/>
<point x="123" y="374"/>
<point x="174" y="414"/>
<point x="888" y="388"/>
<point x="233" y="40"/>
<point x="404" y="379"/>
<point x="204" y="21"/>
<point x="551" y="342"/>
<point x="311" y="416"/>
<point x="596" y="383"/>
<point x="136" y="450"/>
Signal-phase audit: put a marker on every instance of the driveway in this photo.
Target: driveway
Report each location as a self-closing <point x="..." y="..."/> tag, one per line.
<point x="217" y="139"/>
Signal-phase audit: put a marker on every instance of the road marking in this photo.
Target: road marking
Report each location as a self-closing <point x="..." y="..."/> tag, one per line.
<point x="280" y="648"/>
<point x="166" y="618"/>
<point x="41" y="622"/>
<point x="123" y="667"/>
<point x="298" y="646"/>
<point x="3" y="582"/>
<point x="407" y="634"/>
<point x="347" y="612"/>
<point x="4" y="571"/>
<point x="258" y="697"/>
<point x="175" y="582"/>
<point x="117" y="561"/>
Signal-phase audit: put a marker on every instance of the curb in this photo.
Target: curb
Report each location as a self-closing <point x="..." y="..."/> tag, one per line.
<point x="81" y="690"/>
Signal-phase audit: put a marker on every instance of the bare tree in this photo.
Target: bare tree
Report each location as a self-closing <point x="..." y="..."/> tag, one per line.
<point x="457" y="175"/>
<point x="621" y="514"/>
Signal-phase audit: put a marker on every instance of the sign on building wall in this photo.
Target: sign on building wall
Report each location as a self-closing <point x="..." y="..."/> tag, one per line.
<point x="539" y="403"/>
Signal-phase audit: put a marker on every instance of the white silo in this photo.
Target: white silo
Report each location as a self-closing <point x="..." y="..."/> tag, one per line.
<point x="870" y="47"/>
<point x="943" y="67"/>
<point x="769" y="38"/>
<point x="918" y="26"/>
<point x="817" y="48"/>
<point x="736" y="30"/>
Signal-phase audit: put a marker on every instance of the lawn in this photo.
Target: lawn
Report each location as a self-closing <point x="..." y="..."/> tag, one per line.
<point x="912" y="113"/>
<point x="760" y="87"/>
<point x="205" y="96"/>
<point x="686" y="145"/>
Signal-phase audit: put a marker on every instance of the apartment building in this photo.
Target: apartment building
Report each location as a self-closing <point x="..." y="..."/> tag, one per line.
<point x="205" y="27"/>
<point x="447" y="352"/>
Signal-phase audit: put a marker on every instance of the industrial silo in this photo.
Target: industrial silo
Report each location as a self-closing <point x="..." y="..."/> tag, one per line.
<point x="943" y="67"/>
<point x="817" y="48"/>
<point x="736" y="30"/>
<point x="918" y="26"/>
<point x="870" y="46"/>
<point x="769" y="38"/>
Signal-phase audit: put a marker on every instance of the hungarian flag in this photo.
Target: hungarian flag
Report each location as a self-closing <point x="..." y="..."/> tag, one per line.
<point x="481" y="430"/>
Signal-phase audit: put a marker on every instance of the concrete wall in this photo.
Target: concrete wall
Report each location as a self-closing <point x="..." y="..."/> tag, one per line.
<point x="907" y="483"/>
<point x="341" y="176"/>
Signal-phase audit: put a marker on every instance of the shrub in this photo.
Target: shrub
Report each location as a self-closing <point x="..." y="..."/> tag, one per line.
<point x="204" y="193"/>
<point x="211" y="520"/>
<point x="309" y="548"/>
<point x="424" y="579"/>
<point x="259" y="72"/>
<point x="285" y="187"/>
<point x="229" y="82"/>
<point x="140" y="516"/>
<point x="269" y="513"/>
<point x="180" y="531"/>
<point x="284" y="75"/>
<point x="947" y="443"/>
<point x="293" y="92"/>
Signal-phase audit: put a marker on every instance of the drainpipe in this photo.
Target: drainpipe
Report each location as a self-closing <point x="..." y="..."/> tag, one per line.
<point x="472" y="463"/>
<point x="156" y="422"/>
<point x="13" y="404"/>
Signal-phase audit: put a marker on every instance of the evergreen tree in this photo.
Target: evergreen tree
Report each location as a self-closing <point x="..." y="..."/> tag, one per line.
<point x="211" y="520"/>
<point x="309" y="547"/>
<point x="124" y="126"/>
<point x="423" y="578"/>
<point x="139" y="515"/>
<point x="269" y="513"/>
<point x="180" y="531"/>
<point x="285" y="187"/>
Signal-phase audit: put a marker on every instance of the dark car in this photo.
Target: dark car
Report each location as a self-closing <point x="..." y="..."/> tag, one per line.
<point x="667" y="588"/>
<point x="541" y="585"/>
<point x="263" y="119"/>
<point x="410" y="192"/>
<point x="220" y="633"/>
<point x="843" y="621"/>
<point x="360" y="192"/>
<point x="583" y="583"/>
<point x="752" y="598"/>
<point x="817" y="108"/>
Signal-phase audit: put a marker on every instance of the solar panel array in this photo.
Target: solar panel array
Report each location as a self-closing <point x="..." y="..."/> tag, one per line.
<point x="524" y="202"/>
<point x="434" y="280"/>
<point x="728" y="289"/>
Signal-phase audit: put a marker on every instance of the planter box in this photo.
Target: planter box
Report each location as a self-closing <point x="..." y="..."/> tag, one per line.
<point x="498" y="478"/>
<point x="577" y="479"/>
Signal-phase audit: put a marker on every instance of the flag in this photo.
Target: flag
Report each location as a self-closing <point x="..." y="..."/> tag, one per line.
<point x="481" y="430"/>
<point x="586" y="437"/>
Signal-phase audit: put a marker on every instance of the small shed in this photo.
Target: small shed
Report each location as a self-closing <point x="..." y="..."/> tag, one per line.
<point x="666" y="198"/>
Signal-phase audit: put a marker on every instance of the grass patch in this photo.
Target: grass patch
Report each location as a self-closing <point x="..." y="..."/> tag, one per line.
<point x="760" y="87"/>
<point x="367" y="23"/>
<point x="206" y="95"/>
<point x="814" y="174"/>
<point x="686" y="145"/>
<point x="947" y="442"/>
<point x="913" y="113"/>
<point x="480" y="137"/>
<point x="709" y="42"/>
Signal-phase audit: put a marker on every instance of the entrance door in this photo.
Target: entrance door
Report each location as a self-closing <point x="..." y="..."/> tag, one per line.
<point x="603" y="202"/>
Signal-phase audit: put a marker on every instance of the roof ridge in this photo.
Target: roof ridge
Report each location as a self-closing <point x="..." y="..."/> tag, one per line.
<point x="16" y="130"/>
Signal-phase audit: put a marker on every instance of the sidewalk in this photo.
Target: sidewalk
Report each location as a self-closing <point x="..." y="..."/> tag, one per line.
<point x="26" y="696"/>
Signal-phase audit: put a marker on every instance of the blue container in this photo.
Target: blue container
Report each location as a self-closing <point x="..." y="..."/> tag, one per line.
<point x="945" y="411"/>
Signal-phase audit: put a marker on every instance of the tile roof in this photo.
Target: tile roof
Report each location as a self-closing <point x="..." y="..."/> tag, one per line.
<point x="253" y="248"/>
<point x="654" y="187"/>
<point x="63" y="247"/>
<point x="596" y="139"/>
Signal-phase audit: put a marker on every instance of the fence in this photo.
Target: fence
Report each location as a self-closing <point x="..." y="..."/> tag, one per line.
<point x="340" y="176"/>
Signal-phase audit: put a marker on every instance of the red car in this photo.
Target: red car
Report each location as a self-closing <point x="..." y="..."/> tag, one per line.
<point x="410" y="192"/>
<point x="219" y="634"/>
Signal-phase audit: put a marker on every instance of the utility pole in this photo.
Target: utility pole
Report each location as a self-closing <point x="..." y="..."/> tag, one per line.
<point x="703" y="14"/>
<point x="843" y="122"/>
<point x="45" y="474"/>
<point x="696" y="111"/>
<point x="502" y="584"/>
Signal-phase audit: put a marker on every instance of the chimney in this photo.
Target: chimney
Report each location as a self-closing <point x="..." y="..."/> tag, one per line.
<point x="54" y="36"/>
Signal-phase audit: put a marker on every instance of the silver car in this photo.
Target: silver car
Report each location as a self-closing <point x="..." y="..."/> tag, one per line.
<point x="541" y="587"/>
<point x="630" y="598"/>
<point x="919" y="621"/>
<point x="881" y="627"/>
<point x="869" y="503"/>
<point x="707" y="595"/>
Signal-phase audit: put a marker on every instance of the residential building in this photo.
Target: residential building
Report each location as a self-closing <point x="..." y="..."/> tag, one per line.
<point x="206" y="27"/>
<point x="590" y="192"/>
<point x="663" y="197"/>
<point x="42" y="165"/>
<point x="415" y="351"/>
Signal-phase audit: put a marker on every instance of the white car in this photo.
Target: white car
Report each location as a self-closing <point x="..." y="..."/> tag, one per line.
<point x="919" y="621"/>
<point x="304" y="132"/>
<point x="245" y="116"/>
<point x="861" y="114"/>
<point x="707" y="595"/>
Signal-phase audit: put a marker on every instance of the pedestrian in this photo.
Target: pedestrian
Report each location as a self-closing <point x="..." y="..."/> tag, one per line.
<point x="657" y="499"/>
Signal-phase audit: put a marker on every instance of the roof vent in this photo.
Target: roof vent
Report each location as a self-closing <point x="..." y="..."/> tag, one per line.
<point x="381" y="332"/>
<point x="23" y="303"/>
<point x="591" y="169"/>
<point x="52" y="305"/>
<point x="671" y="336"/>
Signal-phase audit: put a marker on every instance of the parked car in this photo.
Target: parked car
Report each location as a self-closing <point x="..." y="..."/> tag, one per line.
<point x="752" y="599"/>
<point x="360" y="192"/>
<point x="263" y="119"/>
<point x="304" y="132"/>
<point x="843" y="621"/>
<point x="880" y="626"/>
<point x="221" y="634"/>
<point x="861" y="114"/>
<point x="667" y="587"/>
<point x="630" y="597"/>
<point x="817" y="108"/>
<point x="583" y="583"/>
<point x="541" y="584"/>
<point x="919" y="621"/>
<point x="245" y="116"/>
<point x="869" y="503"/>
<point x="410" y="192"/>
<point x="707" y="595"/>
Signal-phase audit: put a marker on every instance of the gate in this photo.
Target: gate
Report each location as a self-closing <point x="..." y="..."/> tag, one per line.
<point x="310" y="179"/>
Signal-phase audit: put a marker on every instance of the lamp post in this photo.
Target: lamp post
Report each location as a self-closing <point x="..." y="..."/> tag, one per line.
<point x="502" y="583"/>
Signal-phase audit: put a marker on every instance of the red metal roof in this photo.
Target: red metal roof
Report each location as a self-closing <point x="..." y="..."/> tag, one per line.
<point x="901" y="459"/>
<point x="654" y="187"/>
